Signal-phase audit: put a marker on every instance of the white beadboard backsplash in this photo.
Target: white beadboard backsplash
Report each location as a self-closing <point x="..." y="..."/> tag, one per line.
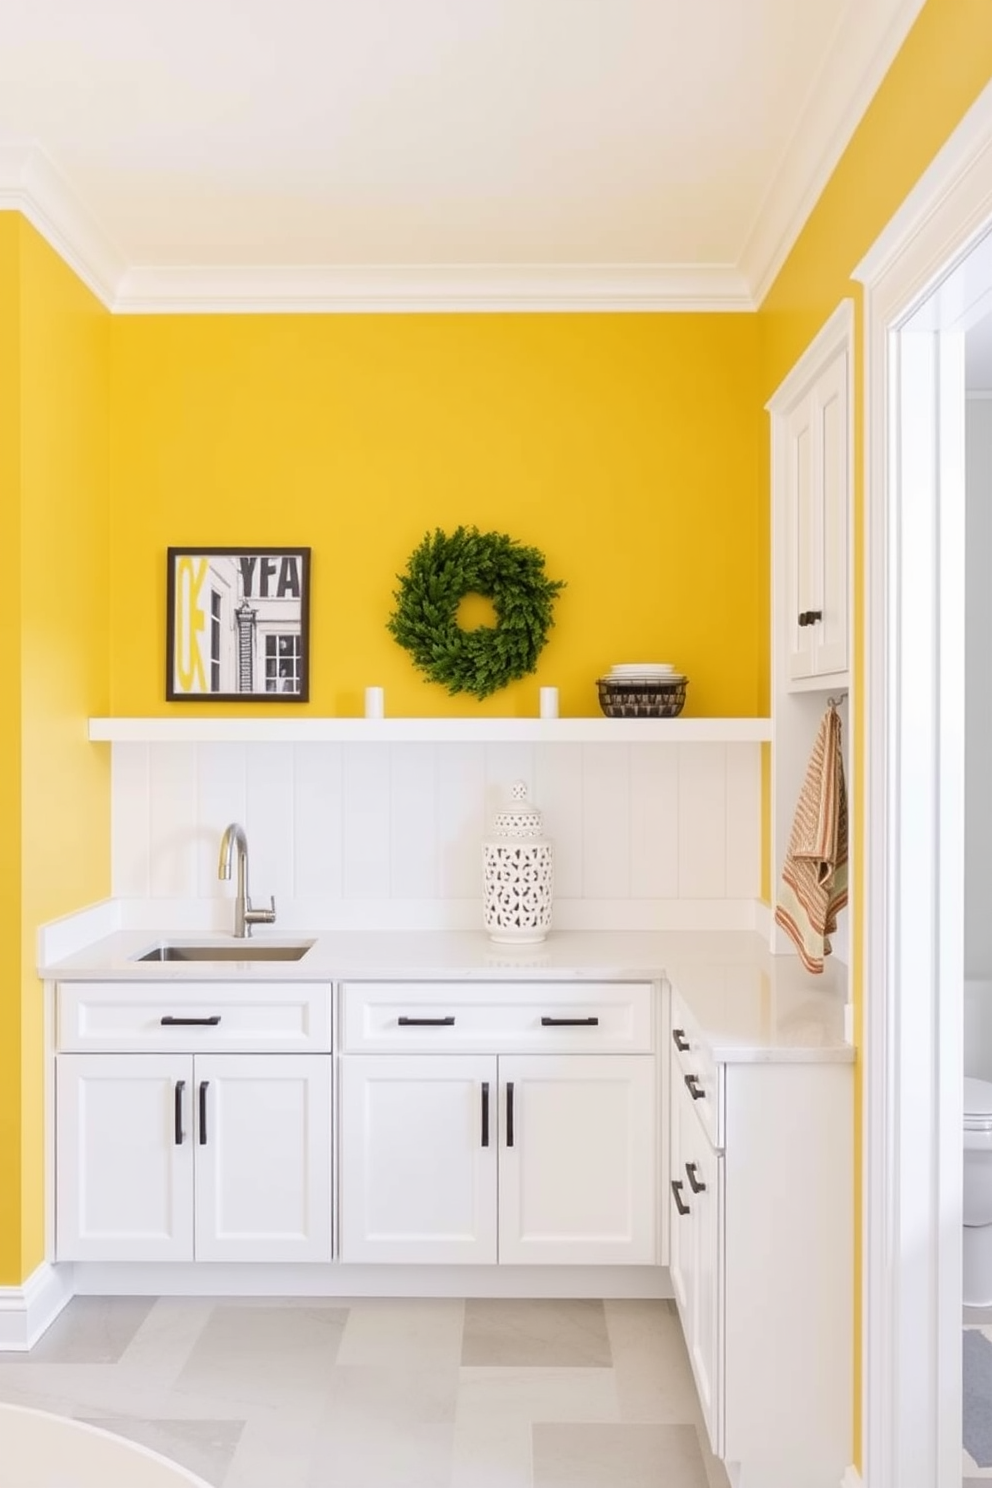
<point x="367" y="836"/>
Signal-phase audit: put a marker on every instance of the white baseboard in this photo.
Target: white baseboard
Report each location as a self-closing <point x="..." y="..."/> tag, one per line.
<point x="27" y="1311"/>
<point x="851" y="1479"/>
<point x="214" y="1279"/>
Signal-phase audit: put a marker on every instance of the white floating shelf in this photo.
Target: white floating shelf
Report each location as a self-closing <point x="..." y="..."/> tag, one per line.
<point x="432" y="730"/>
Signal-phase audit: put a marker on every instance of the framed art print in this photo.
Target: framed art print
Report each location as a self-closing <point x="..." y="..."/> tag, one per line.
<point x="238" y="625"/>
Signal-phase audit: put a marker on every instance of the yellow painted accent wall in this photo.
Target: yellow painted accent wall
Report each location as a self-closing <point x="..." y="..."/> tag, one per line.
<point x="944" y="64"/>
<point x="54" y="785"/>
<point x="625" y="447"/>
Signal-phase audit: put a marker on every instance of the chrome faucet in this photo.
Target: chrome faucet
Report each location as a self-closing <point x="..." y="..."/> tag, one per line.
<point x="244" y="916"/>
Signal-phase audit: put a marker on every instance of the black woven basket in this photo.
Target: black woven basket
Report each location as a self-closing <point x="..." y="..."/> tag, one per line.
<point x="642" y="697"/>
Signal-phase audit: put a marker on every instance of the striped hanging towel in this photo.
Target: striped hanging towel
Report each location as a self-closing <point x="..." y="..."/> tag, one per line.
<point x="814" y="876"/>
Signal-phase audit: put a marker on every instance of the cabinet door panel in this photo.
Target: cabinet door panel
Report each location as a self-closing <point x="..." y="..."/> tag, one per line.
<point x="263" y="1157"/>
<point x="703" y="1172"/>
<point x="681" y="1240"/>
<point x="124" y="1157"/>
<point x="578" y="1184"/>
<point x="417" y="1183"/>
<point x="830" y="640"/>
<point x="803" y="587"/>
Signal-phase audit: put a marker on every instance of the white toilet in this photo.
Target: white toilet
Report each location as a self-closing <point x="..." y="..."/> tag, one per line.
<point x="977" y="1193"/>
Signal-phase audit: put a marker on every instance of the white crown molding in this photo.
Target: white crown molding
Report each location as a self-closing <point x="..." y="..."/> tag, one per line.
<point x="26" y="1311"/>
<point x="403" y="288"/>
<point x="31" y="184"/>
<point x="864" y="52"/>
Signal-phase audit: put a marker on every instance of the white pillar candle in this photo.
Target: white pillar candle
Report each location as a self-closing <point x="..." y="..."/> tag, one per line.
<point x="549" y="702"/>
<point x="375" y="702"/>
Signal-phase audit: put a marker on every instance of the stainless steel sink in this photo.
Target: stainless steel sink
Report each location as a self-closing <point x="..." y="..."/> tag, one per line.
<point x="245" y="951"/>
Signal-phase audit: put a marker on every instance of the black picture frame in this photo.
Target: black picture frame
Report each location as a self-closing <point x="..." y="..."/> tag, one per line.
<point x="238" y="625"/>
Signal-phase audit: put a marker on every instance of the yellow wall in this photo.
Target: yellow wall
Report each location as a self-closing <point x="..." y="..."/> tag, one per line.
<point x="944" y="64"/>
<point x="54" y="385"/>
<point x="625" y="447"/>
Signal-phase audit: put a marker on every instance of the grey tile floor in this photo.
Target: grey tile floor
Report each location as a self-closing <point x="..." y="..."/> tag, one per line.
<point x="307" y="1393"/>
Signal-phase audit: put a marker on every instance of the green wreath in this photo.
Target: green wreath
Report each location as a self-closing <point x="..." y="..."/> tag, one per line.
<point x="441" y="571"/>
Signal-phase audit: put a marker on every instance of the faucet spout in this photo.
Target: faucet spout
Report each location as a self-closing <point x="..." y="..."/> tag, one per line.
<point x="234" y="842"/>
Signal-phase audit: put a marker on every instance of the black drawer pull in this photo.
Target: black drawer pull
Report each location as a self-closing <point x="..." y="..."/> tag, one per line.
<point x="509" y="1113"/>
<point x="680" y="1040"/>
<point x="203" y="1112"/>
<point x="691" y="1169"/>
<point x="677" y="1194"/>
<point x="569" y="1022"/>
<point x="695" y="1089"/>
<point x="448" y="1022"/>
<point x="485" y="1113"/>
<point x="180" y="1135"/>
<point x="170" y="1022"/>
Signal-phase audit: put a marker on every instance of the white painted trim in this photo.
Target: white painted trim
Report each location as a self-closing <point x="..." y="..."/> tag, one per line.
<point x="851" y="1479"/>
<point x="910" y="1054"/>
<point x="411" y="288"/>
<point x="206" y="1279"/>
<point x="27" y="1311"/>
<point x="836" y="334"/>
<point x="31" y="184"/>
<point x="818" y="140"/>
<point x="60" y="938"/>
<point x="432" y="730"/>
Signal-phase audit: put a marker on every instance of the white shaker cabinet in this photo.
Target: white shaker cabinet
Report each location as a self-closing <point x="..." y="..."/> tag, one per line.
<point x="263" y="1157"/>
<point x="471" y="1146"/>
<point x="577" y="1166"/>
<point x="813" y="465"/>
<point x="418" y="1157"/>
<point x="176" y="1157"/>
<point x="124" y="1158"/>
<point x="762" y="1227"/>
<point x="171" y="1148"/>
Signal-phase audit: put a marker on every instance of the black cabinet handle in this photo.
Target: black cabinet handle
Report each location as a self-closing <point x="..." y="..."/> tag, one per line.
<point x="810" y="617"/>
<point x="681" y="1042"/>
<point x="203" y="1112"/>
<point x="448" y="1022"/>
<point x="677" y="1195"/>
<point x="178" y="1114"/>
<point x="509" y="1113"/>
<point x="691" y="1169"/>
<point x="170" y="1022"/>
<point x="695" y="1089"/>
<point x="485" y="1113"/>
<point x="569" y="1022"/>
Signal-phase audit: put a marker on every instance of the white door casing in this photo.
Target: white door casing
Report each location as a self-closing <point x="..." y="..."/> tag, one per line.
<point x="914" y="581"/>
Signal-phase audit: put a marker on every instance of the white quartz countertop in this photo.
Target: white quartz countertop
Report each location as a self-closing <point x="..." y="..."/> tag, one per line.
<point x="746" y="1004"/>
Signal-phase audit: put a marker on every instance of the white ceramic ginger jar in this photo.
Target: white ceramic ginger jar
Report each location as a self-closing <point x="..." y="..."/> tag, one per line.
<point x="518" y="873"/>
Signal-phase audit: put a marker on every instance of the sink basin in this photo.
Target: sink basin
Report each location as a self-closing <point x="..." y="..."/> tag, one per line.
<point x="244" y="951"/>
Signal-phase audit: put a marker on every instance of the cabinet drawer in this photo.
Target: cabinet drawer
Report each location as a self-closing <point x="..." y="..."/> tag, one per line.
<point x="187" y="1017"/>
<point x="693" y="1066"/>
<point x="512" y="1017"/>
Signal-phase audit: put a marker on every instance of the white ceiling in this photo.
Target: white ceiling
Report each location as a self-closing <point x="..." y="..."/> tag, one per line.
<point x="207" y="153"/>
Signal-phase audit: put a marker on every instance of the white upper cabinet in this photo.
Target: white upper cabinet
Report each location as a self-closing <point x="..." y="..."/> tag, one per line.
<point x="811" y="474"/>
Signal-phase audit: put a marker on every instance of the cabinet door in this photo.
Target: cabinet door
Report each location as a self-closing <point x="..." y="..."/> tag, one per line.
<point x="263" y="1157"/>
<point x="681" y="1239"/>
<point x="418" y="1157"/>
<point x="817" y="476"/>
<point x="124" y="1157"/>
<point x="577" y="1179"/>
<point x="702" y="1170"/>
